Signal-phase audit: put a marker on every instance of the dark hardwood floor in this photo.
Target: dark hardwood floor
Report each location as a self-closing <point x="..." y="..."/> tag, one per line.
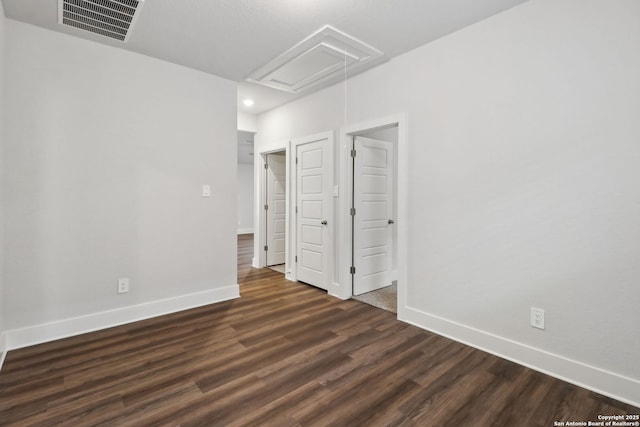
<point x="284" y="354"/>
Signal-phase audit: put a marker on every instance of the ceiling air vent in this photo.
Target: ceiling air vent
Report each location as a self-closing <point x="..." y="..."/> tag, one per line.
<point x="319" y="60"/>
<point x="109" y="18"/>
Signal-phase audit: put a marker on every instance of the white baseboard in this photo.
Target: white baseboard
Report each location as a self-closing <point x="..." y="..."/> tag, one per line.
<point x="31" y="335"/>
<point x="3" y="348"/>
<point x="601" y="381"/>
<point x="254" y="263"/>
<point x="393" y="276"/>
<point x="336" y="290"/>
<point x="245" y="230"/>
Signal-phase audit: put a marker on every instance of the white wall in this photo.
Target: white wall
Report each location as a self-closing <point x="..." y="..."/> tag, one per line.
<point x="2" y="42"/>
<point x="524" y="186"/>
<point x="105" y="155"/>
<point x="247" y="122"/>
<point x="245" y="198"/>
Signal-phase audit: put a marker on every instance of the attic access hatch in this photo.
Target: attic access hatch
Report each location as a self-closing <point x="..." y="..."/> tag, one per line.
<point x="320" y="59"/>
<point x="109" y="18"/>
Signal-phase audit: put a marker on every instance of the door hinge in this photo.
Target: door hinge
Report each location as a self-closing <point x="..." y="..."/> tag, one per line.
<point x="266" y="248"/>
<point x="296" y="258"/>
<point x="296" y="160"/>
<point x="266" y="165"/>
<point x="266" y="207"/>
<point x="296" y="209"/>
<point x="353" y="211"/>
<point x="353" y="153"/>
<point x="352" y="270"/>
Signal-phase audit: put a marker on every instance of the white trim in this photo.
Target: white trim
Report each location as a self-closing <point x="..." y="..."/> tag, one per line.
<point x="245" y="230"/>
<point x="394" y="275"/>
<point x="289" y="277"/>
<point x="289" y="259"/>
<point x="344" y="202"/>
<point x="335" y="290"/>
<point x="604" y="382"/>
<point x="3" y="348"/>
<point x="31" y="335"/>
<point x="330" y="41"/>
<point x="260" y="223"/>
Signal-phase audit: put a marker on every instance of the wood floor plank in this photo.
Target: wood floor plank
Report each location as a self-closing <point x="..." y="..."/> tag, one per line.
<point x="284" y="354"/>
<point x="270" y="413"/>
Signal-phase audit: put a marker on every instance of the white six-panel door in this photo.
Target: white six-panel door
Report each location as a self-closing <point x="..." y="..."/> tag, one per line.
<point x="276" y="208"/>
<point x="373" y="222"/>
<point x="314" y="211"/>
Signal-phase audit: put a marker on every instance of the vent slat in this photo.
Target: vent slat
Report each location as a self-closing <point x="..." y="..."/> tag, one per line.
<point x="114" y="5"/>
<point x="130" y="3"/>
<point x="93" y="30"/>
<point x="101" y="10"/>
<point x="96" y="16"/>
<point x="110" y="18"/>
<point x="94" y="23"/>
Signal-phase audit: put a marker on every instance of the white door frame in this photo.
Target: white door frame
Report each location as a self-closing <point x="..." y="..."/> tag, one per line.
<point x="346" y="185"/>
<point x="292" y="237"/>
<point x="269" y="198"/>
<point x="260" y="219"/>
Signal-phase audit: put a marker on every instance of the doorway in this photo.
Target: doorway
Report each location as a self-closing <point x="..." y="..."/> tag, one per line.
<point x="275" y="210"/>
<point x="245" y="186"/>
<point x="374" y="209"/>
<point x="373" y="212"/>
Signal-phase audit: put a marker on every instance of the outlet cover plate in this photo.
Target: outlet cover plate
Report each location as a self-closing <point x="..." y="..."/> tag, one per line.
<point x="123" y="286"/>
<point x="537" y="318"/>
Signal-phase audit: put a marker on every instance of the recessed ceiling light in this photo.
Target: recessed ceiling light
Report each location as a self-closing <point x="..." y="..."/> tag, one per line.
<point x="248" y="102"/>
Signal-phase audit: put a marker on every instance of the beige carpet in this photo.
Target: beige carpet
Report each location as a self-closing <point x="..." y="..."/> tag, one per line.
<point x="385" y="298"/>
<point x="279" y="268"/>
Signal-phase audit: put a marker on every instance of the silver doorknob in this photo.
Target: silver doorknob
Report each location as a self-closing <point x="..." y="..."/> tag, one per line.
<point x="323" y="222"/>
<point x="391" y="221"/>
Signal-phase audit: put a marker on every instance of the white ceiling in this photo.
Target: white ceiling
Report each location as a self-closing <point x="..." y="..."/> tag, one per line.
<point x="233" y="38"/>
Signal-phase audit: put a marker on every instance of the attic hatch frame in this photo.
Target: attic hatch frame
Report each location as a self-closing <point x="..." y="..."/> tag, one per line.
<point x="346" y="52"/>
<point x="113" y="19"/>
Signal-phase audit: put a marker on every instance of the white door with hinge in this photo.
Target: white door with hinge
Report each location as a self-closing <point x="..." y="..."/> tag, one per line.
<point x="276" y="208"/>
<point x="314" y="209"/>
<point x="372" y="222"/>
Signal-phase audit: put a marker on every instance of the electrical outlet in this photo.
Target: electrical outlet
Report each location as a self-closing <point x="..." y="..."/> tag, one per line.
<point x="206" y="190"/>
<point x="123" y="285"/>
<point x="537" y="318"/>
